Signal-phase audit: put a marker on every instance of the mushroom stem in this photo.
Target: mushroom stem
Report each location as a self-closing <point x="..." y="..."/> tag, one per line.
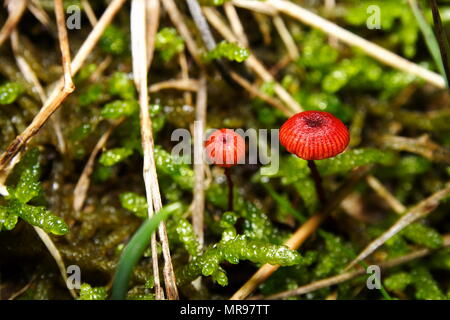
<point x="230" y="188"/>
<point x="317" y="180"/>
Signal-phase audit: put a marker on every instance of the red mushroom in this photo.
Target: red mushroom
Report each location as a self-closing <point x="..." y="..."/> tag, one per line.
<point x="225" y="148"/>
<point x="314" y="135"/>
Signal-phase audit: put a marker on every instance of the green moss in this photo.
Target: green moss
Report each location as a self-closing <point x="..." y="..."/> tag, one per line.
<point x="188" y="237"/>
<point x="426" y="286"/>
<point x="114" y="156"/>
<point x="228" y="50"/>
<point x="39" y="217"/>
<point x="92" y="293"/>
<point x="234" y="250"/>
<point x="423" y="235"/>
<point x="93" y="94"/>
<point x="168" y="43"/>
<point x="134" y="203"/>
<point x="119" y="108"/>
<point x="181" y="173"/>
<point x="114" y="41"/>
<point x="9" y="92"/>
<point x="336" y="256"/>
<point x="398" y="281"/>
<point x="28" y="188"/>
<point x="121" y="85"/>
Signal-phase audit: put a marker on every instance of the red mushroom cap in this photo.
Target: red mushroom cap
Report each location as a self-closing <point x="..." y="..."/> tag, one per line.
<point x="314" y="135"/>
<point x="225" y="148"/>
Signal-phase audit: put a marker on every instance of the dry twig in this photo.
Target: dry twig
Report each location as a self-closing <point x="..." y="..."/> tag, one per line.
<point x="421" y="210"/>
<point x="385" y="56"/>
<point x="199" y="164"/>
<point x="16" y="8"/>
<point x="139" y="53"/>
<point x="82" y="186"/>
<point x="352" y="274"/>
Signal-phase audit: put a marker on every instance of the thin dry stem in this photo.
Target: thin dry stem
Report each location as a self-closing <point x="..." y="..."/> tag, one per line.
<point x="384" y="193"/>
<point x="82" y="186"/>
<point x="16" y="9"/>
<point x="185" y="76"/>
<point x="421" y="210"/>
<point x="22" y="290"/>
<point x="286" y="37"/>
<point x="31" y="77"/>
<point x="235" y="23"/>
<point x="178" y="84"/>
<point x="254" y="90"/>
<point x="139" y="53"/>
<point x="39" y="13"/>
<point x="64" y="46"/>
<point x="324" y="283"/>
<point x="153" y="8"/>
<point x="89" y="12"/>
<point x="178" y="21"/>
<point x="56" y="255"/>
<point x="422" y="145"/>
<point x="302" y="233"/>
<point x="199" y="165"/>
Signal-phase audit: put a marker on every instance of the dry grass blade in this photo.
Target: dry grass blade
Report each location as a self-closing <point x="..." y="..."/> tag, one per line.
<point x="199" y="165"/>
<point x="58" y="95"/>
<point x="89" y="12"/>
<point x="419" y="211"/>
<point x="139" y="53"/>
<point x="64" y="46"/>
<point x="286" y="37"/>
<point x="39" y="13"/>
<point x="353" y="274"/>
<point x="179" y="84"/>
<point x="31" y="77"/>
<point x="153" y="9"/>
<point x="82" y="186"/>
<point x="422" y="145"/>
<point x="16" y="8"/>
<point x="254" y="90"/>
<point x="185" y="76"/>
<point x="302" y="233"/>
<point x="178" y="21"/>
<point x="56" y="255"/>
<point x="371" y="49"/>
<point x="384" y="193"/>
<point x="235" y="23"/>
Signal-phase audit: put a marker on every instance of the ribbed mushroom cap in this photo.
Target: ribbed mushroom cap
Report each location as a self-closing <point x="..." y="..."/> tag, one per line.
<point x="314" y="135"/>
<point x="225" y="148"/>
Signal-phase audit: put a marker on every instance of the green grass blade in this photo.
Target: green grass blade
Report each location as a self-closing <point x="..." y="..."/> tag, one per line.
<point x="134" y="250"/>
<point x="441" y="37"/>
<point x="430" y="38"/>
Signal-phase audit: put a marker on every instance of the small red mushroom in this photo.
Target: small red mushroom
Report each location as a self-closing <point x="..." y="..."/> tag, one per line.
<point x="225" y="148"/>
<point x="314" y="135"/>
